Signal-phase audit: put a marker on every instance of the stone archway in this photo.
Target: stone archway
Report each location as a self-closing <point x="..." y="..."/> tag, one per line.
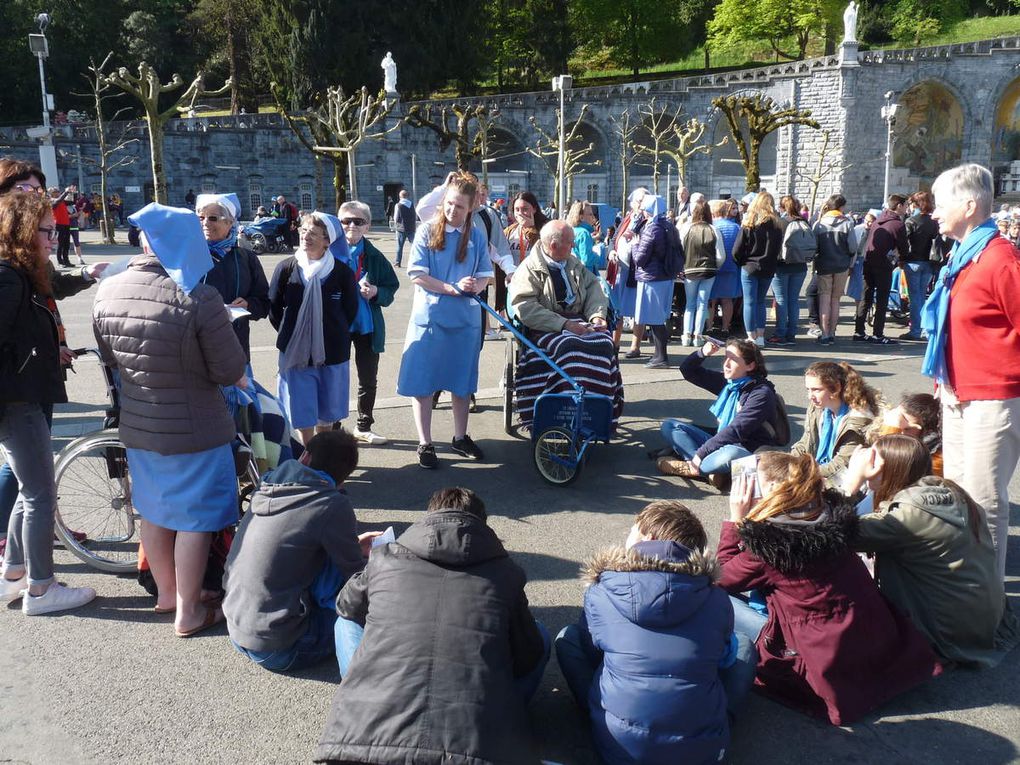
<point x="1006" y="139"/>
<point x="927" y="135"/>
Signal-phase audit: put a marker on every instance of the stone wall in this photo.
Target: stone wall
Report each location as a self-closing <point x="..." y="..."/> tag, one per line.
<point x="257" y="156"/>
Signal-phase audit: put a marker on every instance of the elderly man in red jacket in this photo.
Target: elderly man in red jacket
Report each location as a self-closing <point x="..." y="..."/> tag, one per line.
<point x="973" y="323"/>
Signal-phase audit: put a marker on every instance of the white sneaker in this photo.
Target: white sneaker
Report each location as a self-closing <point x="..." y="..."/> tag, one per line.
<point x="698" y="341"/>
<point x="56" y="598"/>
<point x="685" y="340"/>
<point x="368" y="437"/>
<point x="11" y="589"/>
<point x="759" y="341"/>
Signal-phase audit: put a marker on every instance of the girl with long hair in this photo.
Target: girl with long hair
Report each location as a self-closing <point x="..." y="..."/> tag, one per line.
<point x="842" y="407"/>
<point x="449" y="263"/>
<point x="829" y="645"/>
<point x="522" y="234"/>
<point x="934" y="557"/>
<point x="582" y="219"/>
<point x="702" y="246"/>
<point x="30" y="383"/>
<point x="756" y="251"/>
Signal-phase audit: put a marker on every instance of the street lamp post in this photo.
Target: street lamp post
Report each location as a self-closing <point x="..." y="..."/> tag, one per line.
<point x="562" y="83"/>
<point x="414" y="178"/>
<point x="40" y="48"/>
<point x="889" y="115"/>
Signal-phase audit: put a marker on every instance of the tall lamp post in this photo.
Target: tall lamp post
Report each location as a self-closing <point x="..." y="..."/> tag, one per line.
<point x="562" y="83"/>
<point x="41" y="49"/>
<point x="889" y="115"/>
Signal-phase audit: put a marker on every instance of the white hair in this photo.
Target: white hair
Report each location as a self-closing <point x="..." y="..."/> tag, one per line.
<point x="556" y="231"/>
<point x="358" y="208"/>
<point x="696" y="197"/>
<point x="966" y="182"/>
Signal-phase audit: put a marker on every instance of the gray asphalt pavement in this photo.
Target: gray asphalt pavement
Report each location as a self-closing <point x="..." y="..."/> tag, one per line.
<point x="112" y="683"/>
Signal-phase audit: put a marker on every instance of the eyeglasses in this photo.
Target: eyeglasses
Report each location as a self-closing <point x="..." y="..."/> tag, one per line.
<point x="354" y="221"/>
<point x="210" y="218"/>
<point x="51" y="233"/>
<point x="27" y="187"/>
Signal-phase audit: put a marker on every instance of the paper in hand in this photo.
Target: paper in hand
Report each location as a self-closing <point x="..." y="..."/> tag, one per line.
<point x="236" y="312"/>
<point x="385" y="538"/>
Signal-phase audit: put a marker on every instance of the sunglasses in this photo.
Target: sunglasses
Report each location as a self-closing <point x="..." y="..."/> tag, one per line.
<point x="353" y="221"/>
<point x="51" y="233"/>
<point x="26" y="187"/>
<point x="210" y="218"/>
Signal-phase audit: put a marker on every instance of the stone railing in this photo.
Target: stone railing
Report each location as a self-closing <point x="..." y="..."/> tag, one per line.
<point x="938" y="52"/>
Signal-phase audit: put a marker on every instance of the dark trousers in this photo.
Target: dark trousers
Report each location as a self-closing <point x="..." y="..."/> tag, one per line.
<point x="877" y="283"/>
<point x="660" y="337"/>
<point x="63" y="245"/>
<point x="367" y="362"/>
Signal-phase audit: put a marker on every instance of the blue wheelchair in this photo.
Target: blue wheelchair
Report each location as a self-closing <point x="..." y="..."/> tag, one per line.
<point x="565" y="425"/>
<point x="268" y="235"/>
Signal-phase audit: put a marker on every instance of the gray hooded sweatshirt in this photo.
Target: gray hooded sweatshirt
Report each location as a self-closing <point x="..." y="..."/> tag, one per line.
<point x="298" y="520"/>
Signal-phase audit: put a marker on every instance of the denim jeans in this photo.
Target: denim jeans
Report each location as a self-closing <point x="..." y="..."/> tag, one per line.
<point x="918" y="279"/>
<point x="698" y="292"/>
<point x="687" y="439"/>
<point x="401" y="239"/>
<point x="754" y="289"/>
<point x="579" y="661"/>
<point x="746" y="620"/>
<point x="9" y="484"/>
<point x="25" y="440"/>
<point x="350" y="634"/>
<point x="786" y="287"/>
<point x="313" y="647"/>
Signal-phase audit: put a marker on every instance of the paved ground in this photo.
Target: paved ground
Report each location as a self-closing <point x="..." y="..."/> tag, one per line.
<point x="112" y="683"/>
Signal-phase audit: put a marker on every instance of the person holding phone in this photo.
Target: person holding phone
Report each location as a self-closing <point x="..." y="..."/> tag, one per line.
<point x="745" y="410"/>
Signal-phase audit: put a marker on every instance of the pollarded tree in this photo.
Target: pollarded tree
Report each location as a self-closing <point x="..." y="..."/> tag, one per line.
<point x="659" y="123"/>
<point x="750" y="120"/>
<point x="547" y="148"/>
<point x="452" y="123"/>
<point x="739" y="22"/>
<point x="147" y="87"/>
<point x="338" y="124"/>
<point x="686" y="142"/>
<point x="826" y="166"/>
<point x="625" y="129"/>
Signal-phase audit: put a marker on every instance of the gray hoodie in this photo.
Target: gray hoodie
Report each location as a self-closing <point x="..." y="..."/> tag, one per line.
<point x="298" y="520"/>
<point x="832" y="232"/>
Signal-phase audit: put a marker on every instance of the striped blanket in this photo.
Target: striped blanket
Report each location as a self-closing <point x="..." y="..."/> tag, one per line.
<point x="590" y="359"/>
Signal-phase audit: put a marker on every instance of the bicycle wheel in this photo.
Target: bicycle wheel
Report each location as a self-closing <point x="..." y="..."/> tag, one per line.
<point x="556" y="458"/>
<point x="95" y="517"/>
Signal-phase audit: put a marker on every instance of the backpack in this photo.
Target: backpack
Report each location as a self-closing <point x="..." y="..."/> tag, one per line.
<point x="780" y="424"/>
<point x="674" y="261"/>
<point x="799" y="243"/>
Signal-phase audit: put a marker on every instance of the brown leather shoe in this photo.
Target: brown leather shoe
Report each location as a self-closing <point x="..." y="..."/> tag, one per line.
<point x="678" y="467"/>
<point x="720" y="481"/>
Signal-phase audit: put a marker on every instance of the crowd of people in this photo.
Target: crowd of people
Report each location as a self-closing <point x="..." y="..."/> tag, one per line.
<point x="865" y="560"/>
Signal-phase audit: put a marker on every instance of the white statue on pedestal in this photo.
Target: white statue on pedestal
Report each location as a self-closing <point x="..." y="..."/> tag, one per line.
<point x="850" y="23"/>
<point x="389" y="67"/>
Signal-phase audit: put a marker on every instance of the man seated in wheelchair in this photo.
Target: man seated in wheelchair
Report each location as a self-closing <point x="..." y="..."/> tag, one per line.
<point x="564" y="312"/>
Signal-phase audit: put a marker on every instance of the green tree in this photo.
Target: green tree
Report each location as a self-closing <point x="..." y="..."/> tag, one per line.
<point x="225" y="28"/>
<point x="750" y="120"/>
<point x="637" y="33"/>
<point x="739" y="22"/>
<point x="529" y="40"/>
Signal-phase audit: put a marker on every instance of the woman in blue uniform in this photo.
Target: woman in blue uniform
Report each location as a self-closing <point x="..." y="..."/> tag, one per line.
<point x="448" y="258"/>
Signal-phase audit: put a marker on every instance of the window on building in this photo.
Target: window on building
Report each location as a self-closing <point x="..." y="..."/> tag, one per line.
<point x="593" y="192"/>
<point x="306" y="196"/>
<point x="254" y="195"/>
<point x="96" y="188"/>
<point x="513" y="189"/>
<point x="208" y="185"/>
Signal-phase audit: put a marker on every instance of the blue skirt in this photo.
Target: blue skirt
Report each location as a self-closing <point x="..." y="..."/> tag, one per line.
<point x="315" y="395"/>
<point x="439" y="358"/>
<point x="624" y="297"/>
<point x="185" y="492"/>
<point x="654" y="302"/>
<point x="727" y="285"/>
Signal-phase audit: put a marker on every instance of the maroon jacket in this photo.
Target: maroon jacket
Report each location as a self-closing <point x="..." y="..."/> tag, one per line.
<point x="833" y="646"/>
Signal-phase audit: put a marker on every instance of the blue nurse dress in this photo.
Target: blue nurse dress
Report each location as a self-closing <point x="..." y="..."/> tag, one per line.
<point x="444" y="332"/>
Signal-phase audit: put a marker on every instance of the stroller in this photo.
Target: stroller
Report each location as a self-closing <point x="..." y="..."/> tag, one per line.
<point x="268" y="235"/>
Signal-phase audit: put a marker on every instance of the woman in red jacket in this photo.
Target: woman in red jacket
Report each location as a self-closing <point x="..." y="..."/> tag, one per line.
<point x="831" y="645"/>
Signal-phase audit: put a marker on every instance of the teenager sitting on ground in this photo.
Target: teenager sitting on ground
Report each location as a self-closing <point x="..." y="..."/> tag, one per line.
<point x="293" y="551"/>
<point x="449" y="651"/>
<point x="654" y="660"/>
<point x="746" y="411"/>
<point x="918" y="415"/>
<point x="842" y="408"/>
<point x="830" y="644"/>
<point x="934" y="557"/>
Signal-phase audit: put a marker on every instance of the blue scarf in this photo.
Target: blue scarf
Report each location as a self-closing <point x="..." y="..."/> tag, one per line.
<point x="935" y="312"/>
<point x="363" y="323"/>
<point x="725" y="407"/>
<point x="827" y="433"/>
<point x="220" y="249"/>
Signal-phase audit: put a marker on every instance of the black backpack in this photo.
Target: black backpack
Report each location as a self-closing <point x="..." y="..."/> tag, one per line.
<point x="674" y="262"/>
<point x="780" y="424"/>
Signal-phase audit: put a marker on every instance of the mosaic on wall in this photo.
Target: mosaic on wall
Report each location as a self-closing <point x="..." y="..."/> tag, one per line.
<point x="928" y="134"/>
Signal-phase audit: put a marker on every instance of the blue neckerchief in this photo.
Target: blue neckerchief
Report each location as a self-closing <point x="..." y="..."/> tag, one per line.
<point x="220" y="249"/>
<point x="725" y="407"/>
<point x="935" y="312"/>
<point x="363" y="323"/>
<point x="827" y="433"/>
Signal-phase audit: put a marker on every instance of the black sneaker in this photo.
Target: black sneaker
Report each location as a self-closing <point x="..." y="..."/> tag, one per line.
<point x="427" y="456"/>
<point x="467" y="448"/>
<point x="883" y="340"/>
<point x="859" y="338"/>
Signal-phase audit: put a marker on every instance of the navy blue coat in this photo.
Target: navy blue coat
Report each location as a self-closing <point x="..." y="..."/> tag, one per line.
<point x="663" y="628"/>
<point x="752" y="427"/>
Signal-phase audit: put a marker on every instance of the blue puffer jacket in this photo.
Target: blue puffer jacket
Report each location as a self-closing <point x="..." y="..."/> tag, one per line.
<point x="650" y="252"/>
<point x="663" y="628"/>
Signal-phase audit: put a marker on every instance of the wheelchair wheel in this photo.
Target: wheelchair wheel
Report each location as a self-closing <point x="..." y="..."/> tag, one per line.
<point x="95" y="518"/>
<point x="556" y="457"/>
<point x="258" y="243"/>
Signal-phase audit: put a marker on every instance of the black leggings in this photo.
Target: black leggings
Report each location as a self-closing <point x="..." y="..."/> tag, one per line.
<point x="367" y="362"/>
<point x="660" y="336"/>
